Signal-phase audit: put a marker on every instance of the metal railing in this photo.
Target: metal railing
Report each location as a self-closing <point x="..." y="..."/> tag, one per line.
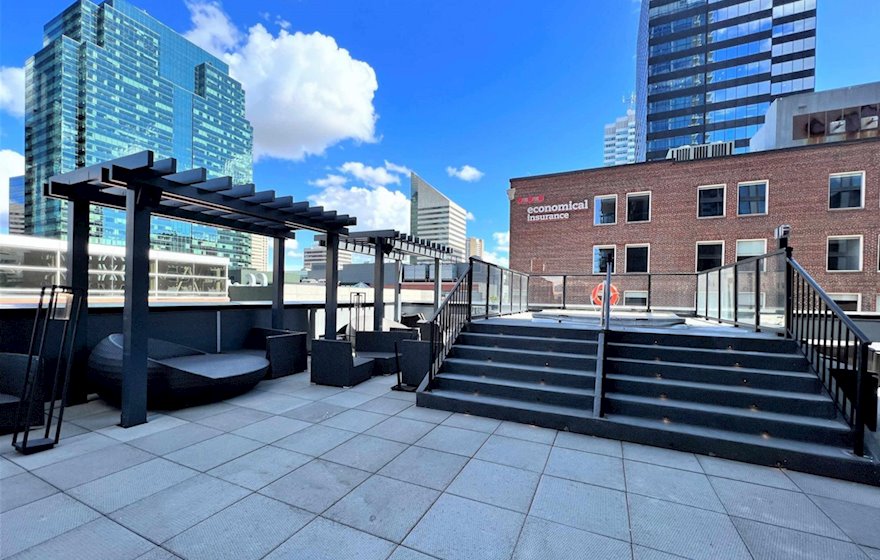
<point x="748" y="293"/>
<point x="447" y="322"/>
<point x="835" y="347"/>
<point x="496" y="290"/>
<point x="670" y="291"/>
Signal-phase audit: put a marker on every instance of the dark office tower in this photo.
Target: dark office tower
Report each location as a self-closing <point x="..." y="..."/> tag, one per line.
<point x="707" y="70"/>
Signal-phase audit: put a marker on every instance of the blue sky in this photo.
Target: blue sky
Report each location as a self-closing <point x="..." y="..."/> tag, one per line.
<point x="509" y="88"/>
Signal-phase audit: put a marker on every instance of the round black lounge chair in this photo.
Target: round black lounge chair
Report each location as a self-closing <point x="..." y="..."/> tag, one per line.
<point x="177" y="375"/>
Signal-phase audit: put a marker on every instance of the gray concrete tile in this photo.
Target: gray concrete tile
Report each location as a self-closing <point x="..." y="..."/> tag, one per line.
<point x="264" y="401"/>
<point x="376" y="386"/>
<point x="261" y="467"/>
<point x="175" y="438"/>
<point x="66" y="449"/>
<point x="541" y="539"/>
<point x="158" y="553"/>
<point x="206" y="455"/>
<point x="515" y="453"/>
<point x="674" y="485"/>
<point x="272" y="429"/>
<point x="96" y="421"/>
<point x="365" y="452"/>
<point x="234" y="419"/>
<point x="756" y="474"/>
<point x="195" y="413"/>
<point x="645" y="553"/>
<point x="400" y="429"/>
<point x="383" y="507"/>
<point x="354" y="420"/>
<point x="460" y="529"/>
<point x="247" y="530"/>
<point x="155" y="423"/>
<point x="315" y="412"/>
<point x="591" y="508"/>
<point x="384" y="405"/>
<point x="774" y="506"/>
<point x="86" y="409"/>
<point x="526" y="432"/>
<point x="101" y="539"/>
<point x="92" y="466"/>
<point x="453" y="440"/>
<point x="661" y="456"/>
<point x="403" y="553"/>
<point x="348" y="399"/>
<point x="119" y="489"/>
<point x="23" y="489"/>
<point x="592" y="468"/>
<point x="425" y="467"/>
<point x="425" y="414"/>
<point x="860" y="523"/>
<point x="323" y="539"/>
<point x="8" y="468"/>
<point x="316" y="485"/>
<point x="836" y="489"/>
<point x="316" y="392"/>
<point x="683" y="530"/>
<point x="771" y="542"/>
<point x="315" y="440"/>
<point x="499" y="485"/>
<point x="872" y="553"/>
<point x="37" y="522"/>
<point x="177" y="508"/>
<point x="471" y="422"/>
<point x="402" y="395"/>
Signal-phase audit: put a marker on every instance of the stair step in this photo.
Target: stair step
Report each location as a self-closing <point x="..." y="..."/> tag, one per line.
<point x="718" y="342"/>
<point x="518" y="372"/>
<point x="511" y="328"/>
<point x="577" y="397"/>
<point x="525" y="342"/>
<point x="788" y="361"/>
<point x="525" y="357"/>
<point x="815" y="404"/>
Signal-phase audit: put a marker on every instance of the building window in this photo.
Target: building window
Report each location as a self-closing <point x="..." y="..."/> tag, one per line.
<point x="710" y="254"/>
<point x="638" y="207"/>
<point x="747" y="248"/>
<point x="603" y="255"/>
<point x="635" y="298"/>
<point x="846" y="190"/>
<point x="845" y="253"/>
<point x="605" y="210"/>
<point x="752" y="198"/>
<point x="848" y="302"/>
<point x="637" y="258"/>
<point x="710" y="201"/>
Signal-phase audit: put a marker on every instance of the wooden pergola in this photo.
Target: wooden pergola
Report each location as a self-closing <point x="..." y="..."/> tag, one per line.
<point x="143" y="187"/>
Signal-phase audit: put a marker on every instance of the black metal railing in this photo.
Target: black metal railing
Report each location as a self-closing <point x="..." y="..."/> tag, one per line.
<point x="448" y="320"/>
<point x="748" y="293"/>
<point x="835" y="347"/>
<point x="496" y="290"/>
<point x="669" y="291"/>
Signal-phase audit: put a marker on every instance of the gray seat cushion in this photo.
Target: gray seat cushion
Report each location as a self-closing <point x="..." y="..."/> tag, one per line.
<point x="217" y="366"/>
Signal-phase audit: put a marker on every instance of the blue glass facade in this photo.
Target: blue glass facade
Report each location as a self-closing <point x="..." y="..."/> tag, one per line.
<point x="111" y="80"/>
<point x="707" y="70"/>
<point x="16" y="205"/>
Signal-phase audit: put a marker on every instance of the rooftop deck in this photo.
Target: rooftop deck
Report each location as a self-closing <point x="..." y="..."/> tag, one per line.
<point x="294" y="470"/>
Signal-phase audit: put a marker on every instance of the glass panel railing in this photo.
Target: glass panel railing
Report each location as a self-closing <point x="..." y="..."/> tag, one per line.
<point x="505" y="292"/>
<point x="545" y="291"/>
<point x="745" y="279"/>
<point x="479" y="288"/>
<point x="494" y="290"/>
<point x="727" y="293"/>
<point x="773" y="292"/>
<point x="712" y="295"/>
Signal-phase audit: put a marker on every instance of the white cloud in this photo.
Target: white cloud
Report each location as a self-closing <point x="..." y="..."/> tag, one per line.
<point x="12" y="90"/>
<point x="465" y="173"/>
<point x="470" y="216"/>
<point x="370" y="176"/>
<point x="11" y="165"/>
<point x="329" y="181"/>
<point x="304" y="93"/>
<point x="494" y="257"/>
<point x="291" y="246"/>
<point x="378" y="208"/>
<point x="502" y="241"/>
<point x="394" y="168"/>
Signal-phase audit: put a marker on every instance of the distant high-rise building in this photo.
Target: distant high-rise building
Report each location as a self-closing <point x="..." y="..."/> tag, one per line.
<point x="318" y="255"/>
<point x="475" y="247"/>
<point x="260" y="253"/>
<point x="620" y="140"/>
<point x="16" y="205"/>
<point x="707" y="71"/>
<point x="433" y="216"/>
<point x="111" y="80"/>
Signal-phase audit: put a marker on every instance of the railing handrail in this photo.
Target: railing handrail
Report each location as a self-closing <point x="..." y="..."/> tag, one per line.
<point x="742" y="262"/>
<point x="830" y="303"/>
<point x="479" y="260"/>
<point x="455" y="286"/>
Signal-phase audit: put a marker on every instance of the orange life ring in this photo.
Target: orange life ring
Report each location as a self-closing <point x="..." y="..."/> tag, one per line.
<point x="597" y="293"/>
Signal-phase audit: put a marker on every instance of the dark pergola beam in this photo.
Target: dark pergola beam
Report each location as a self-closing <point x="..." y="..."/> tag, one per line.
<point x="278" y="281"/>
<point x="331" y="283"/>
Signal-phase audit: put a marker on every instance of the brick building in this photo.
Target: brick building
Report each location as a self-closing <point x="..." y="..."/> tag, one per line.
<point x="682" y="216"/>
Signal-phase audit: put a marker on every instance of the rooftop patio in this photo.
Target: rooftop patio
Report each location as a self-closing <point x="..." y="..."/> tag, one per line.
<point x="295" y="470"/>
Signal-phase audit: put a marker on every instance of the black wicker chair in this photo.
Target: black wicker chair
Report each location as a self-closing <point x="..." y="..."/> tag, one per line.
<point x="333" y="364"/>
<point x="285" y="350"/>
<point x="381" y="346"/>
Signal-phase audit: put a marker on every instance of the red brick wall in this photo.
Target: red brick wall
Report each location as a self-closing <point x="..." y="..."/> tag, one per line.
<point x="798" y="195"/>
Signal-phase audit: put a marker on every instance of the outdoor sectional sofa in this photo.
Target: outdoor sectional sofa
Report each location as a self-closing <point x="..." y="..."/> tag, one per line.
<point x="12" y="373"/>
<point x="177" y="375"/>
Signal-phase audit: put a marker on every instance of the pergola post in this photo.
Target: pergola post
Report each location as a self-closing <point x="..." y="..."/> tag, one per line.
<point x="379" y="285"/>
<point x="135" y="314"/>
<point x="278" y="284"/>
<point x="397" y="270"/>
<point x="332" y="285"/>
<point x="78" y="279"/>
<point x="438" y="282"/>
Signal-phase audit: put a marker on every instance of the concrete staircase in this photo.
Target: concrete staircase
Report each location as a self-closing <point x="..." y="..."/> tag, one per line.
<point x="750" y="399"/>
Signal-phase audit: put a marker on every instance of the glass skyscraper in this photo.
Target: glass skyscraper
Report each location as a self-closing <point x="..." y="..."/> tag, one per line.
<point x="707" y="70"/>
<point x="111" y="80"/>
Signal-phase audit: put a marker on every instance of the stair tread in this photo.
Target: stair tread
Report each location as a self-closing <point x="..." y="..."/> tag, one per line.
<point x="692" y="429"/>
<point x="829" y="423"/>
<point x="743" y="390"/>
<point x="530" y="338"/>
<point x="785" y="373"/>
<point x="518" y="384"/>
<point x="529" y="352"/>
<point x="754" y="353"/>
<point x="484" y="363"/>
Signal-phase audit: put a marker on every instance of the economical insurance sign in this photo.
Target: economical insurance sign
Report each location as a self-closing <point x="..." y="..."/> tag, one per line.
<point x="537" y="212"/>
